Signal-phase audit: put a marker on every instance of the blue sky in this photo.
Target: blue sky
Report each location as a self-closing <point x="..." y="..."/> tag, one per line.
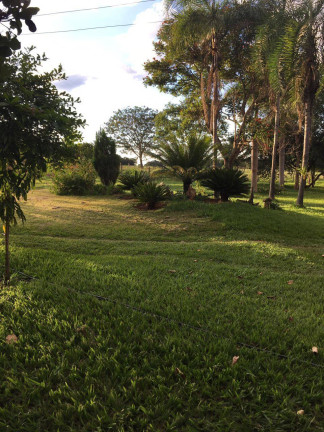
<point x="105" y="66"/>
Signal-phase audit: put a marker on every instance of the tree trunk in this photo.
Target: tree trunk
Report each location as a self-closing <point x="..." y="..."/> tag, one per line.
<point x="186" y="185"/>
<point x="274" y="150"/>
<point x="141" y="161"/>
<point x="282" y="155"/>
<point x="297" y="173"/>
<point x="7" y="254"/>
<point x="254" y="165"/>
<point x="306" y="148"/>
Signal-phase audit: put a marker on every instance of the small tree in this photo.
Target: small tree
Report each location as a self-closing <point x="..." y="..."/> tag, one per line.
<point x="106" y="161"/>
<point x="37" y="126"/>
<point x="133" y="130"/>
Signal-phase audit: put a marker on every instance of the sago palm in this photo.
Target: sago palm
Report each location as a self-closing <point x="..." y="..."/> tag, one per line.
<point x="184" y="159"/>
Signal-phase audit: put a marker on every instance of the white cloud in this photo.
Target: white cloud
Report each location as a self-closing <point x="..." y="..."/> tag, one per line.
<point x="107" y="66"/>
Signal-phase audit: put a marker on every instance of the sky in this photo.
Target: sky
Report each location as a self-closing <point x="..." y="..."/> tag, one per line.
<point x="104" y="66"/>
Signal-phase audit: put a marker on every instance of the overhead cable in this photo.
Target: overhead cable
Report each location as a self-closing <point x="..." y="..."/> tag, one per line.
<point x="89" y="28"/>
<point x="94" y="8"/>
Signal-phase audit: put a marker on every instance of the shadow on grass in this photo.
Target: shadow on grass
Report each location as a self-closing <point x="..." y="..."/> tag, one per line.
<point x="245" y="222"/>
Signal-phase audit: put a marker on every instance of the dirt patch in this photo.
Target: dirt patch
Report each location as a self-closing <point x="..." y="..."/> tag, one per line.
<point x="144" y="207"/>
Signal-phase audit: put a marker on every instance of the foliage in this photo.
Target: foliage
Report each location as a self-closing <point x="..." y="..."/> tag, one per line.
<point x="106" y="161"/>
<point x="184" y="158"/>
<point x="129" y="179"/>
<point x="13" y="12"/>
<point x="84" y="151"/>
<point x="152" y="193"/>
<point x="37" y="127"/>
<point x="133" y="130"/>
<point x="226" y="182"/>
<point x="78" y="179"/>
<point x="128" y="161"/>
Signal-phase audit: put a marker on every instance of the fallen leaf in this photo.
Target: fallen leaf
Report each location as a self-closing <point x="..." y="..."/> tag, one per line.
<point x="300" y="412"/>
<point x="179" y="372"/>
<point x="290" y="282"/>
<point x="260" y="292"/>
<point x="239" y="277"/>
<point x="242" y="292"/>
<point x="291" y="318"/>
<point x="198" y="250"/>
<point x="261" y="273"/>
<point x="235" y="359"/>
<point x="82" y="329"/>
<point x="12" y="338"/>
<point x="172" y="271"/>
<point x="195" y="260"/>
<point x="315" y="350"/>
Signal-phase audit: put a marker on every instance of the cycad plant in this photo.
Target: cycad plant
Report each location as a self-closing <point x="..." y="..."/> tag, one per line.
<point x="152" y="193"/>
<point x="132" y="178"/>
<point x="226" y="182"/>
<point x="184" y="159"/>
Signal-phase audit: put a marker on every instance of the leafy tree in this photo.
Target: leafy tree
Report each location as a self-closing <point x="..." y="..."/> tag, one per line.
<point x="106" y="161"/>
<point x="185" y="158"/>
<point x="133" y="130"/>
<point x="195" y="46"/>
<point x="84" y="151"/>
<point x="37" y="126"/>
<point x="13" y="12"/>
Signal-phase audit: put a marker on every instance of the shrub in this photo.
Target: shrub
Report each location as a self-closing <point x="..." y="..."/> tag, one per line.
<point x="132" y="178"/>
<point x="226" y="182"/>
<point x="106" y="161"/>
<point x="151" y="193"/>
<point x="185" y="158"/>
<point x="76" y="179"/>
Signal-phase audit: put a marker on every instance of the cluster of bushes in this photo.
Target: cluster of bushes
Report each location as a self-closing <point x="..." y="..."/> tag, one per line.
<point x="187" y="161"/>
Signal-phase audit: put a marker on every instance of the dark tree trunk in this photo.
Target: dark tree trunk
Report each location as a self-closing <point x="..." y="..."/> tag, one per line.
<point x="274" y="150"/>
<point x="306" y="148"/>
<point x="297" y="173"/>
<point x="7" y="254"/>
<point x="282" y="155"/>
<point x="254" y="166"/>
<point x="186" y="185"/>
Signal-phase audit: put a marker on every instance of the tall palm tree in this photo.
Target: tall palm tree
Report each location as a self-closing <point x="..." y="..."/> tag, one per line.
<point x="268" y="55"/>
<point x="208" y="24"/>
<point x="304" y="55"/>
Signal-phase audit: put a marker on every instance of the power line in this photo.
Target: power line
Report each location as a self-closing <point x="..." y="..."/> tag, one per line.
<point x="95" y="8"/>
<point x="89" y="28"/>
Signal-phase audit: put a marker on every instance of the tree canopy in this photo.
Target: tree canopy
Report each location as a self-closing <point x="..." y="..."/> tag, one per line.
<point x="133" y="130"/>
<point x="38" y="124"/>
<point x="12" y="13"/>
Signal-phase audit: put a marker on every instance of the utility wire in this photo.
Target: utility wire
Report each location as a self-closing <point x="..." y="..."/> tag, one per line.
<point x="180" y="324"/>
<point x="88" y="28"/>
<point x="94" y="8"/>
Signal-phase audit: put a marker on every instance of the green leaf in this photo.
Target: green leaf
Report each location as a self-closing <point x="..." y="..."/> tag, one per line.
<point x="14" y="44"/>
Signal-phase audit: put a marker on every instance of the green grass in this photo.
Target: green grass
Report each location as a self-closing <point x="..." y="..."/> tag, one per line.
<point x="81" y="364"/>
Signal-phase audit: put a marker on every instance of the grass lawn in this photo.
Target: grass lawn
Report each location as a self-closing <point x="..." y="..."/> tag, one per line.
<point x="252" y="278"/>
